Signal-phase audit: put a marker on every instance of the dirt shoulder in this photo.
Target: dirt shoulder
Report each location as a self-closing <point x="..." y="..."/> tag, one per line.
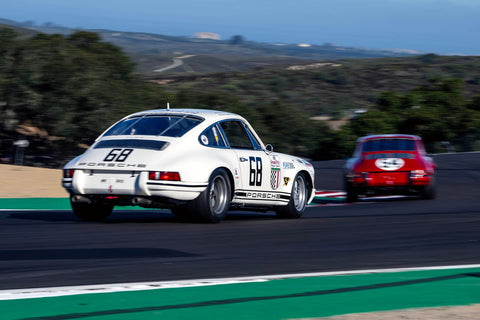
<point x="30" y="182"/>
<point x="471" y="312"/>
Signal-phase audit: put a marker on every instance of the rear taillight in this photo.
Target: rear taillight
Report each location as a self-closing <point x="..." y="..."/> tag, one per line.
<point x="68" y="173"/>
<point x="358" y="177"/>
<point x="418" y="174"/>
<point x="164" y="175"/>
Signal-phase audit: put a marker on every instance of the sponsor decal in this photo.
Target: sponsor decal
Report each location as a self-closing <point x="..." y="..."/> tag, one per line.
<point x="274" y="173"/>
<point x="389" y="164"/>
<point x="235" y="173"/>
<point x="288" y="165"/>
<point x="274" y="162"/>
<point x="286" y="180"/>
<point x="204" y="139"/>
<point x="110" y="189"/>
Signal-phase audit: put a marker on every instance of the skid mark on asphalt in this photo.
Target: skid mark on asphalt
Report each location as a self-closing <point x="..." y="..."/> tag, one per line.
<point x="256" y="299"/>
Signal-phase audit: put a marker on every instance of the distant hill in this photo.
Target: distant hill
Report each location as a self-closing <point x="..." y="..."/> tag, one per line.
<point x="153" y="51"/>
<point x="23" y="31"/>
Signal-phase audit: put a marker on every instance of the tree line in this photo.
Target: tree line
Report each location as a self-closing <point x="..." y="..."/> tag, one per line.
<point x="73" y="87"/>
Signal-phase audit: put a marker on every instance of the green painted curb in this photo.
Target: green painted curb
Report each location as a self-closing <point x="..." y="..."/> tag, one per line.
<point x="35" y="203"/>
<point x="64" y="203"/>
<point x="270" y="300"/>
<point x="45" y="204"/>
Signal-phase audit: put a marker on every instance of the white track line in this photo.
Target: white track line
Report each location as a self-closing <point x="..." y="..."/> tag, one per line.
<point x="138" y="286"/>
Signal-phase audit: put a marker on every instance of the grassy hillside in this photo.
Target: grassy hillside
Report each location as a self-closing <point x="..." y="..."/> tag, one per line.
<point x="334" y="88"/>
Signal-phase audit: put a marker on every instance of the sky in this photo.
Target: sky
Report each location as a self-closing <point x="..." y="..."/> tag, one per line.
<point x="429" y="26"/>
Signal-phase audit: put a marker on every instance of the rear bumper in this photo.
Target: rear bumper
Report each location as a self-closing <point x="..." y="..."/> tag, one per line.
<point x="403" y="179"/>
<point x="126" y="185"/>
<point x="387" y="183"/>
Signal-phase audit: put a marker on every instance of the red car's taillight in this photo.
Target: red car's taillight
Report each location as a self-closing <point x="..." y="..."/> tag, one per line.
<point x="164" y="175"/>
<point x="358" y="177"/>
<point x="68" y="173"/>
<point x="418" y="174"/>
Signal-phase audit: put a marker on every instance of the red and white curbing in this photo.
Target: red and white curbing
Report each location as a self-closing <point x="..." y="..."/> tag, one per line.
<point x="330" y="194"/>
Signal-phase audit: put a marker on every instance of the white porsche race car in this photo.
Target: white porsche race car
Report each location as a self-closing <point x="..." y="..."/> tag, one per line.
<point x="198" y="163"/>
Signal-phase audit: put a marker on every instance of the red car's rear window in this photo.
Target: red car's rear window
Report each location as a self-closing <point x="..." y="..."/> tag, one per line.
<point x="389" y="145"/>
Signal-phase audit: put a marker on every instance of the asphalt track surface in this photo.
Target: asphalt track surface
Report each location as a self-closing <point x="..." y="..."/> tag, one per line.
<point x="53" y="248"/>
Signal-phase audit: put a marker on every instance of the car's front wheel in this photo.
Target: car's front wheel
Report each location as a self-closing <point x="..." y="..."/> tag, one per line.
<point x="91" y="211"/>
<point x="298" y="199"/>
<point x="212" y="204"/>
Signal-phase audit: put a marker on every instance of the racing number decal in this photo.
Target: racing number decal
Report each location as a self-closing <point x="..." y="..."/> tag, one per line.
<point x="389" y="164"/>
<point x="118" y="155"/>
<point x="255" y="171"/>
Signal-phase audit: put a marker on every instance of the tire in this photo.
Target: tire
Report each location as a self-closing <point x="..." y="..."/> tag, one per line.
<point x="351" y="193"/>
<point x="213" y="204"/>
<point x="91" y="211"/>
<point x="298" y="199"/>
<point x="428" y="192"/>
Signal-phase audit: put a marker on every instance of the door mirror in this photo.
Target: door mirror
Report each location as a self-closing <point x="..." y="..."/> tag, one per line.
<point x="269" y="148"/>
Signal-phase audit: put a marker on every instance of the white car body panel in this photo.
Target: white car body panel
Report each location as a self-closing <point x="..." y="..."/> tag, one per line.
<point x="259" y="178"/>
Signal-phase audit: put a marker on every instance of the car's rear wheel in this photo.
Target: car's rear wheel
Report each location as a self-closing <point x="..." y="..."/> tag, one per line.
<point x="351" y="192"/>
<point x="212" y="204"/>
<point x="298" y="199"/>
<point x="91" y="211"/>
<point x="428" y="192"/>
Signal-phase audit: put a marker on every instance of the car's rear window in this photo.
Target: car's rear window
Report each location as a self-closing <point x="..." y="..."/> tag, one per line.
<point x="131" y="143"/>
<point x="389" y="145"/>
<point x="170" y="126"/>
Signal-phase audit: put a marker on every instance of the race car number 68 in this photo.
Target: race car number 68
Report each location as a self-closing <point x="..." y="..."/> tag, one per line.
<point x="118" y="155"/>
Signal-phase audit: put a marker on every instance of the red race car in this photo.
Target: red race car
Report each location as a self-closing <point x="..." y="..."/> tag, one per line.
<point x="389" y="164"/>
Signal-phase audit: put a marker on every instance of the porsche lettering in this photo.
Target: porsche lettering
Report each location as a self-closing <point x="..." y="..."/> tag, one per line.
<point x="112" y="165"/>
<point x="263" y="195"/>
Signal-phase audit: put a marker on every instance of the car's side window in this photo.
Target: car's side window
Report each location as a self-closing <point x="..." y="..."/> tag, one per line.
<point x="254" y="140"/>
<point x="236" y="135"/>
<point x="212" y="137"/>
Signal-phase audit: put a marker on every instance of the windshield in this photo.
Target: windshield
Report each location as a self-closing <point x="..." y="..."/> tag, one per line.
<point x="170" y="126"/>
<point x="389" y="145"/>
